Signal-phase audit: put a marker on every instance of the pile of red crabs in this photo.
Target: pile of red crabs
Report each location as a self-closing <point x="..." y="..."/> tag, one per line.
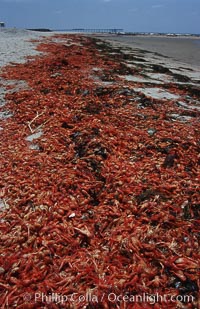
<point x="99" y="186"/>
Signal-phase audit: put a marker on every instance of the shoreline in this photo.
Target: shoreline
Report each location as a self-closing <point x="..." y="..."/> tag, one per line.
<point x="183" y="50"/>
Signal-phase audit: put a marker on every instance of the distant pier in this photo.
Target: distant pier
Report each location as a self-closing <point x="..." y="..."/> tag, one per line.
<point x="78" y="30"/>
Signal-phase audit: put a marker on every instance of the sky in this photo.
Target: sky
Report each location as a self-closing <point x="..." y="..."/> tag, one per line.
<point x="174" y="16"/>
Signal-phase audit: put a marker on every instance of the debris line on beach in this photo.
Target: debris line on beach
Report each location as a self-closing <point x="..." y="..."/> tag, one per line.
<point x="99" y="186"/>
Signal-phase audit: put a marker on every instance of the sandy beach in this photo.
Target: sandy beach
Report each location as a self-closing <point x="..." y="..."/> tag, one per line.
<point x="16" y="45"/>
<point x="99" y="165"/>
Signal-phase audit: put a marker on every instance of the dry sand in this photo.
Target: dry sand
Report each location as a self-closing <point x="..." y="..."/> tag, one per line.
<point x="15" y="46"/>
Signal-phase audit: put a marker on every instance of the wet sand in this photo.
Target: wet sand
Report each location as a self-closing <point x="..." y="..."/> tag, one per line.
<point x="185" y="50"/>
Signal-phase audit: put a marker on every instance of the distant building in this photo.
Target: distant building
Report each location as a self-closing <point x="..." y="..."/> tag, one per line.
<point x="2" y="24"/>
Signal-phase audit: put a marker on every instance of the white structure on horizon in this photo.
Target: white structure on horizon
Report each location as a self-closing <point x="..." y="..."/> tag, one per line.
<point x="2" y="24"/>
